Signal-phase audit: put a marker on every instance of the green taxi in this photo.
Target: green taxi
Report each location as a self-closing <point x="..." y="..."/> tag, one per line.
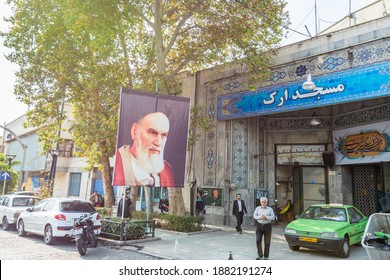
<point x="328" y="227"/>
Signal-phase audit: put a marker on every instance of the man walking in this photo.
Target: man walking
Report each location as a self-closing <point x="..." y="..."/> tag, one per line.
<point x="263" y="215"/>
<point x="239" y="209"/>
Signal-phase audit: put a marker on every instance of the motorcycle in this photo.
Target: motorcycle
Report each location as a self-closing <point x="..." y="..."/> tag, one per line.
<point x="85" y="234"/>
<point x="163" y="205"/>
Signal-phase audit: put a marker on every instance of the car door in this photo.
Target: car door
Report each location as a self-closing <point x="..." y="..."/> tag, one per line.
<point x="357" y="225"/>
<point x="3" y="207"/>
<point x="41" y="218"/>
<point x="32" y="217"/>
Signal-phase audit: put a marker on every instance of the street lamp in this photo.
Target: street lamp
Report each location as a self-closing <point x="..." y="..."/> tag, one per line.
<point x="54" y="154"/>
<point x="9" y="158"/>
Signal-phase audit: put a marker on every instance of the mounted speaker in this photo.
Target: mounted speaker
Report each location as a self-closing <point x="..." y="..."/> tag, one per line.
<point x="328" y="158"/>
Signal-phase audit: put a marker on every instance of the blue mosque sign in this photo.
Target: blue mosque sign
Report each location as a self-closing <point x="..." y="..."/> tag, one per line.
<point x="340" y="87"/>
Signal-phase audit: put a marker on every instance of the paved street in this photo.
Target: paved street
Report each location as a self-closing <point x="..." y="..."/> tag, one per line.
<point x="214" y="244"/>
<point x="32" y="247"/>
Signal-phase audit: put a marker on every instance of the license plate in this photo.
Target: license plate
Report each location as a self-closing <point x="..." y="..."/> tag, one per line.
<point x="78" y="231"/>
<point x="308" y="239"/>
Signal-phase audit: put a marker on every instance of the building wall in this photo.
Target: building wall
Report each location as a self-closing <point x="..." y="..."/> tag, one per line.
<point x="225" y="155"/>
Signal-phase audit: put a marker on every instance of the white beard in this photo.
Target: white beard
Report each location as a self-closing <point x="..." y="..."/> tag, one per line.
<point x="153" y="164"/>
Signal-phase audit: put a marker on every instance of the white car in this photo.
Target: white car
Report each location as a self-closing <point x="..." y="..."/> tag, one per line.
<point x="11" y="206"/>
<point x="54" y="217"/>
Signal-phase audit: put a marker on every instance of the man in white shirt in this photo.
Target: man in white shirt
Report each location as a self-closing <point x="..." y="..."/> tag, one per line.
<point x="264" y="216"/>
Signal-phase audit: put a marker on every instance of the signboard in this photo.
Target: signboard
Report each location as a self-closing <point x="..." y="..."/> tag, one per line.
<point x="303" y="154"/>
<point x="151" y="140"/>
<point x="361" y="83"/>
<point x="363" y="144"/>
<point x="259" y="194"/>
<point x="5" y="176"/>
<point x="212" y="196"/>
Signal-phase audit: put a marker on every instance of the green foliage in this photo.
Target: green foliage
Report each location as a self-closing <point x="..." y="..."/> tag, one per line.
<point x="80" y="52"/>
<point x="11" y="185"/>
<point x="199" y="121"/>
<point x="104" y="212"/>
<point x="45" y="188"/>
<point x="181" y="223"/>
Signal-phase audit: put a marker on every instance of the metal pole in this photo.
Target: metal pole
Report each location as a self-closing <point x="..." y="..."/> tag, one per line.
<point x="315" y="15"/>
<point x="4" y="186"/>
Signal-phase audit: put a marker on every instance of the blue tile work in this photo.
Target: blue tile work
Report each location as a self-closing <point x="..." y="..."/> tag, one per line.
<point x="322" y="68"/>
<point x="355" y="56"/>
<point x="261" y="159"/>
<point x="240" y="152"/>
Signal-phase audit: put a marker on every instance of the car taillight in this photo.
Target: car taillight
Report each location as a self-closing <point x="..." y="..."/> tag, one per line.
<point x="97" y="217"/>
<point x="60" y="217"/>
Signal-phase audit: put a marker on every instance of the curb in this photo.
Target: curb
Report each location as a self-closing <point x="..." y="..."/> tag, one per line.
<point x="127" y="242"/>
<point x="207" y="230"/>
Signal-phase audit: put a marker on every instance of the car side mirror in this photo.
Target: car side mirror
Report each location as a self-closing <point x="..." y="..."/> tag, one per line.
<point x="354" y="221"/>
<point x="29" y="209"/>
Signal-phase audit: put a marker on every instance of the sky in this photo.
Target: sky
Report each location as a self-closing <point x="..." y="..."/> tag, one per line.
<point x="302" y="13"/>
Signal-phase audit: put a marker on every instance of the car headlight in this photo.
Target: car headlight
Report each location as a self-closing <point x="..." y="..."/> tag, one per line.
<point x="290" y="230"/>
<point x="330" y="234"/>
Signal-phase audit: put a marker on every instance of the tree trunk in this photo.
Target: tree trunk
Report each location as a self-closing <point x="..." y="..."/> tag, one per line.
<point x="176" y="201"/>
<point x="109" y="198"/>
<point x="133" y="197"/>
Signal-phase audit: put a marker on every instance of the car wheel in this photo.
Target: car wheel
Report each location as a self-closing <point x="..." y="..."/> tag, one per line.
<point x="48" y="235"/>
<point x="21" y="231"/>
<point x="5" y="224"/>
<point x="345" y="249"/>
<point x="293" y="247"/>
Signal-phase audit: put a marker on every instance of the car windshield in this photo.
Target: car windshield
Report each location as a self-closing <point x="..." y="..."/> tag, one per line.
<point x="325" y="213"/>
<point x="76" y="206"/>
<point x="24" y="201"/>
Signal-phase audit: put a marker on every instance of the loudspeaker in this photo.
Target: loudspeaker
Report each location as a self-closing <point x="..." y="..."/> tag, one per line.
<point x="328" y="158"/>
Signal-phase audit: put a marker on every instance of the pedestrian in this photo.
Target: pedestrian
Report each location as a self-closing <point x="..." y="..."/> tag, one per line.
<point x="263" y="215"/>
<point x="126" y="211"/>
<point x="239" y="209"/>
<point x="96" y="199"/>
<point x="200" y="208"/>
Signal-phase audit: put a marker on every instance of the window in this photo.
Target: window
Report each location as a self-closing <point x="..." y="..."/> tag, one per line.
<point x="38" y="207"/>
<point x="66" y="148"/>
<point x="74" y="184"/>
<point x="49" y="205"/>
<point x="5" y="201"/>
<point x="76" y="206"/>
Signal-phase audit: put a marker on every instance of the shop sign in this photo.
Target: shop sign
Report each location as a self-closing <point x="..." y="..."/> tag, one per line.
<point x="364" y="144"/>
<point x="356" y="84"/>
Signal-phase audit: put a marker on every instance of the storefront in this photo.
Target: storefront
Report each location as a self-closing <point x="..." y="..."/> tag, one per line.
<point x="266" y="140"/>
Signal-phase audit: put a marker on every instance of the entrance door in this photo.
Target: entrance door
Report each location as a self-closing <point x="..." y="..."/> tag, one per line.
<point x="364" y="182"/>
<point x="310" y="186"/>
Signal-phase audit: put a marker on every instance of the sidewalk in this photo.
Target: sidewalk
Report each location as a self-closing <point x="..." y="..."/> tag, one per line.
<point x="216" y="242"/>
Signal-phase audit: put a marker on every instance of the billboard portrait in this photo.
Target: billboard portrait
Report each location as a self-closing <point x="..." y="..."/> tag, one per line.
<point x="152" y="140"/>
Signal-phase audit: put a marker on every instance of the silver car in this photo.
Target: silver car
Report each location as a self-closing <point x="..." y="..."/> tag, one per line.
<point x="12" y="205"/>
<point x="54" y="217"/>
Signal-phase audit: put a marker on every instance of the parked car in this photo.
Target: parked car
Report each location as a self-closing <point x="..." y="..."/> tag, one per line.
<point x="329" y="227"/>
<point x="31" y="193"/>
<point x="12" y="205"/>
<point x="54" y="217"/>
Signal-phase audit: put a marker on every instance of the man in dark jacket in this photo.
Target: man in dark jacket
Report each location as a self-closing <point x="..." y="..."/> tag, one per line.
<point x="239" y="209"/>
<point x="126" y="210"/>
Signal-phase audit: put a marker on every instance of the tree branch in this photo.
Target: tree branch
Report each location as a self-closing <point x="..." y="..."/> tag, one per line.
<point x="180" y="25"/>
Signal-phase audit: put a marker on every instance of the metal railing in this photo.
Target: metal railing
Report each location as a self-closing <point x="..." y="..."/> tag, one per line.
<point x="127" y="230"/>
